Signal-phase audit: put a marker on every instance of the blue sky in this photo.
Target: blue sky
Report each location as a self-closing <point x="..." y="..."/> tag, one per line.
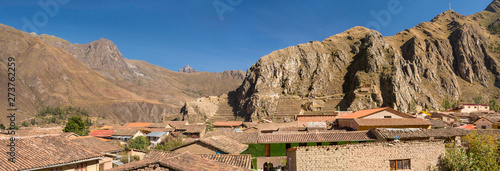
<point x="172" y="33"/>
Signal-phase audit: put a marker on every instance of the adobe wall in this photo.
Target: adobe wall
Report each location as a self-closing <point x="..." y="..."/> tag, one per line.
<point x="423" y="155"/>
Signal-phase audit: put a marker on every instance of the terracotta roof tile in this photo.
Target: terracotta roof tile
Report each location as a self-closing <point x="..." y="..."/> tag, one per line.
<point x="391" y="122"/>
<point x="36" y="152"/>
<point x="315" y="137"/>
<point x="176" y="124"/>
<point x="242" y="137"/>
<point x="97" y="144"/>
<point x="438" y="123"/>
<point x="222" y="143"/>
<point x="183" y="161"/>
<point x="274" y="126"/>
<point x="102" y="133"/>
<point x="418" y="133"/>
<point x="139" y="124"/>
<point x="240" y="160"/>
<point x="227" y="123"/>
<point x="363" y="113"/>
<point x="158" y="125"/>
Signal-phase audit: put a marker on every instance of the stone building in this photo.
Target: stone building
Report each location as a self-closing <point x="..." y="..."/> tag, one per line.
<point x="409" y="155"/>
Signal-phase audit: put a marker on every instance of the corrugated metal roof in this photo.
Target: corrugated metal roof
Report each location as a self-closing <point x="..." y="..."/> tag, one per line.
<point x="156" y="134"/>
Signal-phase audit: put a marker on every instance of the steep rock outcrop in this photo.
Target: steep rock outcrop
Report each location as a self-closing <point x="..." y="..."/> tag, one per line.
<point x="412" y="70"/>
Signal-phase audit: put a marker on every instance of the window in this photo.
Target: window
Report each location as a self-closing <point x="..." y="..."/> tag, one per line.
<point x="302" y="144"/>
<point x="387" y="117"/>
<point x="101" y="167"/>
<point x="400" y="164"/>
<point x="287" y="146"/>
<point x="318" y="144"/>
<point x="483" y="127"/>
<point x="267" y="150"/>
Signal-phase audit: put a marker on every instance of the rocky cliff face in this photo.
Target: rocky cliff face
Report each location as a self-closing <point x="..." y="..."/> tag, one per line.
<point x="187" y="69"/>
<point x="447" y="58"/>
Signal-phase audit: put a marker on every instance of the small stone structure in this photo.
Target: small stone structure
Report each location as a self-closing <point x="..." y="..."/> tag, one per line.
<point x="422" y="155"/>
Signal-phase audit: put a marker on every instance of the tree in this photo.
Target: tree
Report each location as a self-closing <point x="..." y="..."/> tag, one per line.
<point x="494" y="105"/>
<point x="33" y="122"/>
<point x="478" y="99"/>
<point x="169" y="144"/>
<point x="482" y="154"/>
<point x="76" y="125"/>
<point x="24" y="124"/>
<point x="139" y="142"/>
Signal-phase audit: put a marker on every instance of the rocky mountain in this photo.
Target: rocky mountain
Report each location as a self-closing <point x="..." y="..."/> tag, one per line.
<point x="451" y="57"/>
<point x="95" y="76"/>
<point x="188" y="69"/>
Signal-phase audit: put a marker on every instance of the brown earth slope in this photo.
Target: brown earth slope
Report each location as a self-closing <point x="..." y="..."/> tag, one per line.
<point x="451" y="57"/>
<point x="95" y="76"/>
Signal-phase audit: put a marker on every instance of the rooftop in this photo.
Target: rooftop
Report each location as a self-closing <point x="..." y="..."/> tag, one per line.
<point x="242" y="137"/>
<point x="391" y="122"/>
<point x="125" y="132"/>
<point x="315" y="137"/>
<point x="240" y="160"/>
<point x="222" y="143"/>
<point x="44" y="151"/>
<point x="182" y="161"/>
<point x="139" y="124"/>
<point x="363" y="113"/>
<point x="228" y="123"/>
<point x="102" y="133"/>
<point x="88" y="142"/>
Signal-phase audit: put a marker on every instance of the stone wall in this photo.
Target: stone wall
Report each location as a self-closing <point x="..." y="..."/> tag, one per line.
<point x="423" y="155"/>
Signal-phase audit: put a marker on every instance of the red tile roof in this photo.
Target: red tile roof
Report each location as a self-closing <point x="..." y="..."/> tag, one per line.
<point x="392" y="122"/>
<point x="44" y="151"/>
<point x="366" y="112"/>
<point x="315" y="137"/>
<point x="228" y="123"/>
<point x="88" y="142"/>
<point x="102" y="133"/>
<point x="240" y="160"/>
<point x="182" y="161"/>
<point x="139" y="124"/>
<point x="222" y="143"/>
<point x="363" y="113"/>
<point x="467" y="127"/>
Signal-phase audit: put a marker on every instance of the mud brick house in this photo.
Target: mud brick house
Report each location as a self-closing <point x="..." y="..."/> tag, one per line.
<point x="176" y="161"/>
<point x="381" y="118"/>
<point x="411" y="155"/>
<point x="212" y="145"/>
<point x="487" y="123"/>
<point x="49" y="153"/>
<point x="106" y="147"/>
<point x="271" y="147"/>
